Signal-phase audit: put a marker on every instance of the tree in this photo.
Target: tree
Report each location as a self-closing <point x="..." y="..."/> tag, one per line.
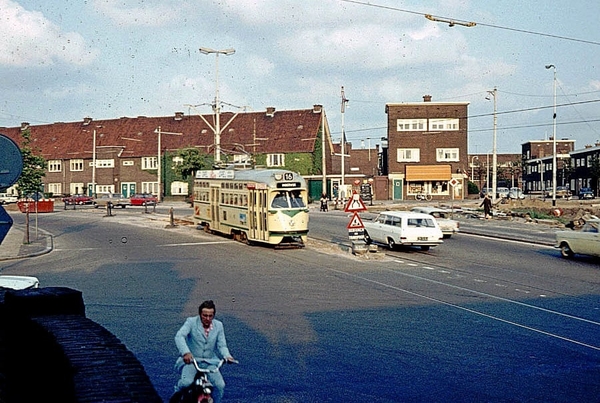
<point x="192" y="161"/>
<point x="595" y="172"/>
<point x="30" y="180"/>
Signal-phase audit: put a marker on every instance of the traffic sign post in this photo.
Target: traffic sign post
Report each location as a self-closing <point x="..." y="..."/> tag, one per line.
<point x="355" y="204"/>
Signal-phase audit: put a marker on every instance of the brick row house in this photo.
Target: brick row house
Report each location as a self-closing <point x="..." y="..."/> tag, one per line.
<point x="126" y="150"/>
<point x="538" y="161"/>
<point x="427" y="149"/>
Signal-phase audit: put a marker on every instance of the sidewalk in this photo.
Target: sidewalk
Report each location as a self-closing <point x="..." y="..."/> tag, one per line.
<point x="14" y="247"/>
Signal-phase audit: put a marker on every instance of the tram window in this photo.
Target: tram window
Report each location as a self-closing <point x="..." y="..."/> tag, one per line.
<point x="296" y="199"/>
<point x="280" y="200"/>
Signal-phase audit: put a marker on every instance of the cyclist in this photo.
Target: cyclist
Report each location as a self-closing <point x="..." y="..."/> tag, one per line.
<point x="202" y="337"/>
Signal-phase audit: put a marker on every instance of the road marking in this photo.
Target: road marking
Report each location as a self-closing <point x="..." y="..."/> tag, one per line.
<point x="470" y="310"/>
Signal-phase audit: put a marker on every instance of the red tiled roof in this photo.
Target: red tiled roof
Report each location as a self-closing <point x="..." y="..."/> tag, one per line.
<point x="254" y="132"/>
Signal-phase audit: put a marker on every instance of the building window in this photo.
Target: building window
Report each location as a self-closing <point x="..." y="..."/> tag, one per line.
<point x="275" y="160"/>
<point x="76" y="188"/>
<point x="105" y="189"/>
<point x="103" y="163"/>
<point x="54" y="188"/>
<point x="177" y="161"/>
<point x="54" y="166"/>
<point x="128" y="163"/>
<point x="76" y="165"/>
<point x="149" y="162"/>
<point x="408" y="155"/>
<point x="411" y="125"/>
<point x="150" y="187"/>
<point x="447" y="154"/>
<point x="443" y="124"/>
<point x="179" y="188"/>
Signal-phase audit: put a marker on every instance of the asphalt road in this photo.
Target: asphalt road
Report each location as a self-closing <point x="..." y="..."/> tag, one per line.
<point x="472" y="320"/>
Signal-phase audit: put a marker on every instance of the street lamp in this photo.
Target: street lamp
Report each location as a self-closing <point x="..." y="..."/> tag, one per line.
<point x="551" y="66"/>
<point x="343" y="149"/>
<point x="494" y="150"/>
<point x="217" y="105"/>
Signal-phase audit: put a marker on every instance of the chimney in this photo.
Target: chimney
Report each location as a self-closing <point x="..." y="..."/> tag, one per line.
<point x="178" y="115"/>
<point x="270" y="111"/>
<point x="87" y="120"/>
<point x="426" y="98"/>
<point x="24" y="125"/>
<point x="317" y="108"/>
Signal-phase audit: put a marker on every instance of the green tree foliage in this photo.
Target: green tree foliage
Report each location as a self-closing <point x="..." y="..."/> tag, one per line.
<point x="193" y="161"/>
<point x="34" y="165"/>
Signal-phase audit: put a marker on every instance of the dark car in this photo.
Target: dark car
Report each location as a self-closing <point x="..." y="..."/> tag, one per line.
<point x="143" y="199"/>
<point x="78" y="199"/>
<point x="586" y="193"/>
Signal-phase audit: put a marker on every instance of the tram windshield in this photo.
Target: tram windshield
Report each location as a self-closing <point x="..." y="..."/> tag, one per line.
<point x="288" y="199"/>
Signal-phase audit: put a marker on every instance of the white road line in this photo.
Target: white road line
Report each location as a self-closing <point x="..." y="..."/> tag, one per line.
<point x="379" y="283"/>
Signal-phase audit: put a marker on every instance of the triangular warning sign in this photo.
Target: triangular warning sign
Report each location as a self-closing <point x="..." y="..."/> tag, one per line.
<point x="355" y="204"/>
<point x="355" y="222"/>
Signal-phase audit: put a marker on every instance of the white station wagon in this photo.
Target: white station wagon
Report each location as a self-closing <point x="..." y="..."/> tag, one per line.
<point x="395" y="228"/>
<point x="584" y="242"/>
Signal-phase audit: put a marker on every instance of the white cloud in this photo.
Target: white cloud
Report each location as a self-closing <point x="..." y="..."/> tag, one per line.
<point x="28" y="38"/>
<point x="122" y="13"/>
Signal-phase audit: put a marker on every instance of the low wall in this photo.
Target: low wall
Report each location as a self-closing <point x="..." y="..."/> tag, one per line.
<point x="49" y="351"/>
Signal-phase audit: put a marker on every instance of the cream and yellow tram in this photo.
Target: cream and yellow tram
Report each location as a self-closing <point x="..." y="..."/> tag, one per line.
<point x="254" y="205"/>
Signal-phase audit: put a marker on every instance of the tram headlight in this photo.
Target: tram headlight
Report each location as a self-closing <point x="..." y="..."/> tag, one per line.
<point x="292" y="223"/>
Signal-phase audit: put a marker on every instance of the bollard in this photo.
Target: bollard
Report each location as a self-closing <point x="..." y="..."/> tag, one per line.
<point x="171" y="217"/>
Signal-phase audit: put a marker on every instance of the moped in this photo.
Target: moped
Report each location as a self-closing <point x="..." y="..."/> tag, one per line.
<point x="200" y="391"/>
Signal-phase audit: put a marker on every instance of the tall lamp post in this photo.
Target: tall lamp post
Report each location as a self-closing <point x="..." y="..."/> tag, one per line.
<point x="343" y="149"/>
<point x="551" y="66"/>
<point x="217" y="105"/>
<point x="494" y="150"/>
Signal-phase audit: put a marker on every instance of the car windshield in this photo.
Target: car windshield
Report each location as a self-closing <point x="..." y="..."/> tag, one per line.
<point x="590" y="227"/>
<point x="288" y="199"/>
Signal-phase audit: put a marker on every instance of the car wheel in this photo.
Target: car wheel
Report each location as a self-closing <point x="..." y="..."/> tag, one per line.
<point x="565" y="250"/>
<point x="391" y="243"/>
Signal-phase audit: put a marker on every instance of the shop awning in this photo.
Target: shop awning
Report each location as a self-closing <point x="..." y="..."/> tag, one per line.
<point x="428" y="172"/>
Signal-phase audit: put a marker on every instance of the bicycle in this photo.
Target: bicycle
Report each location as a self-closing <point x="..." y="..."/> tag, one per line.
<point x="423" y="196"/>
<point x="200" y="391"/>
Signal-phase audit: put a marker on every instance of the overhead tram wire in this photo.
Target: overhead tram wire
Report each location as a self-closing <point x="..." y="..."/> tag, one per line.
<point x="453" y="22"/>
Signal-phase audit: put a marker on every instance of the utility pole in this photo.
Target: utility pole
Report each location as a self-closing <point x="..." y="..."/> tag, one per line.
<point x="494" y="149"/>
<point x="343" y="143"/>
<point x="554" y="167"/>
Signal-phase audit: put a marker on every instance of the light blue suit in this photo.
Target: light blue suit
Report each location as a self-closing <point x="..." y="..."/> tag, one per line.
<point x="191" y="339"/>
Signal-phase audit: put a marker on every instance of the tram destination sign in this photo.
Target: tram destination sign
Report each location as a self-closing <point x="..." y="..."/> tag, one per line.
<point x="288" y="185"/>
<point x="215" y="174"/>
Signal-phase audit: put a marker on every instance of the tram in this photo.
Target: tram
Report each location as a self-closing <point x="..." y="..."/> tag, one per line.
<point x="268" y="206"/>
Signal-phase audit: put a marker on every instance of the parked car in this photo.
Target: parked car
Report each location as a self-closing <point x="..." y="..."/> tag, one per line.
<point x="6" y="198"/>
<point x="78" y="199"/>
<point x="561" y="191"/>
<point x="516" y="194"/>
<point x="585" y="241"/>
<point x="447" y="225"/>
<point x="115" y="199"/>
<point x="502" y="192"/>
<point x="143" y="199"/>
<point x="585" y="193"/>
<point x="403" y="228"/>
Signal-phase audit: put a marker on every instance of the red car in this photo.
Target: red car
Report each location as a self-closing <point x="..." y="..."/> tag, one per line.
<point x="78" y="199"/>
<point x="143" y="199"/>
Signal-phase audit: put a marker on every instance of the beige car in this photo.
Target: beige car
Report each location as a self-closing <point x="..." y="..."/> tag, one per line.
<point x="447" y="225"/>
<point x="116" y="200"/>
<point x="585" y="241"/>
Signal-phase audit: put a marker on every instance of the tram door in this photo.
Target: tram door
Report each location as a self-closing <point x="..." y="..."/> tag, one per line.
<point x="215" y="194"/>
<point x="257" y="210"/>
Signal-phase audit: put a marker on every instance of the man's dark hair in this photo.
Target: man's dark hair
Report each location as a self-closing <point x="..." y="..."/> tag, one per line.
<point x="208" y="305"/>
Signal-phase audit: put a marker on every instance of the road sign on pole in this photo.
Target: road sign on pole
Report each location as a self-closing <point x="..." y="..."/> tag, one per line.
<point x="355" y="204"/>
<point x="6" y="222"/>
<point x="355" y="222"/>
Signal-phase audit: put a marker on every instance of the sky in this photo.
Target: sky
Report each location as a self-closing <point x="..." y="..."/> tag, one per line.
<point x="63" y="60"/>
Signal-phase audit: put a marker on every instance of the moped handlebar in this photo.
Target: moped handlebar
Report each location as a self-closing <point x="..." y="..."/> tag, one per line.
<point x="207" y="370"/>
